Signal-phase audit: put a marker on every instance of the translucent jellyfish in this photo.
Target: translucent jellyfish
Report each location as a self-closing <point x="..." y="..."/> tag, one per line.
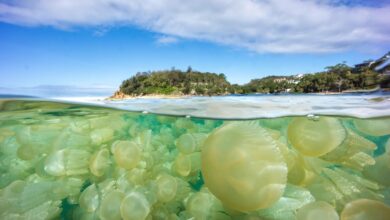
<point x="199" y="205"/>
<point x="337" y="186"/>
<point x="80" y="126"/>
<point x="373" y="126"/>
<point x="274" y="123"/>
<point x="354" y="152"/>
<point x="295" y="163"/>
<point x="110" y="206"/>
<point x="127" y="154"/>
<point x="186" y="164"/>
<point x="285" y="208"/>
<point x="89" y="198"/>
<point x="315" y="138"/>
<point x="363" y="209"/>
<point x="380" y="170"/>
<point x="243" y="167"/>
<point x="135" y="206"/>
<point x="185" y="123"/>
<point x="99" y="162"/>
<point x="166" y="187"/>
<point x="317" y="210"/>
<point x="26" y="152"/>
<point x="102" y="135"/>
<point x="67" y="162"/>
<point x="46" y="210"/>
<point x="190" y="142"/>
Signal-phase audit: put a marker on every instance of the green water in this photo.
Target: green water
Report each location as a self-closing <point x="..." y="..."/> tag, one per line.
<point x="71" y="161"/>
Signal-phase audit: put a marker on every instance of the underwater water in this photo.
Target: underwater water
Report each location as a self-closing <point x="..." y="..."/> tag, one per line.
<point x="75" y="161"/>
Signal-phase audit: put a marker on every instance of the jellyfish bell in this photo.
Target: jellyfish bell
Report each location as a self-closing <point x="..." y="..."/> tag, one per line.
<point x="243" y="167"/>
<point x="373" y="126"/>
<point x="318" y="210"/>
<point x="135" y="206"/>
<point x="127" y="154"/>
<point x="110" y="205"/>
<point x="89" y="198"/>
<point x="166" y="187"/>
<point x="363" y="209"/>
<point x="187" y="164"/>
<point x="55" y="163"/>
<point x="190" y="142"/>
<point x="315" y="138"/>
<point x="99" y="162"/>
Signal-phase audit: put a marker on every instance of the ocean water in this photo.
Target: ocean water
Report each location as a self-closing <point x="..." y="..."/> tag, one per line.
<point x="276" y="157"/>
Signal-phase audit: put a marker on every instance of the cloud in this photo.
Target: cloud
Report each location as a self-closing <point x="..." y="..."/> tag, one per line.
<point x="166" y="40"/>
<point x="277" y="26"/>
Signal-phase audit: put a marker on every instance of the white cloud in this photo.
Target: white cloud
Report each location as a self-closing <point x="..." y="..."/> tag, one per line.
<point x="281" y="26"/>
<point x="166" y="40"/>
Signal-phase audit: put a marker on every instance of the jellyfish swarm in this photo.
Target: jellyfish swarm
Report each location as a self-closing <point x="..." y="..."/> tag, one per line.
<point x="243" y="167"/>
<point x="315" y="137"/>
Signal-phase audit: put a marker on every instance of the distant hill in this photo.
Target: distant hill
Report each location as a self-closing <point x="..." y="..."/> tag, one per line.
<point x="176" y="82"/>
<point x="341" y="77"/>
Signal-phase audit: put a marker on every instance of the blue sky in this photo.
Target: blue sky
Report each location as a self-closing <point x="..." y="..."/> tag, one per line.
<point x="93" y="46"/>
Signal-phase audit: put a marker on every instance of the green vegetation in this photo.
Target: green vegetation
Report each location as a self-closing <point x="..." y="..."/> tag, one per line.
<point x="176" y="82"/>
<point x="338" y="78"/>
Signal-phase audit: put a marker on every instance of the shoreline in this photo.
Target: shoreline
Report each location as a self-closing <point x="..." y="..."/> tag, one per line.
<point x="118" y="97"/>
<point x="154" y="96"/>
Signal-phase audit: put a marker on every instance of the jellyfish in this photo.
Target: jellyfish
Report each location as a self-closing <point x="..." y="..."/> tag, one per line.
<point x="318" y="210"/>
<point x="362" y="209"/>
<point x="110" y="205"/>
<point x="243" y="167"/>
<point x="135" y="206"/>
<point x="101" y="135"/>
<point x="166" y="187"/>
<point x="354" y="152"/>
<point x="294" y="197"/>
<point x="186" y="164"/>
<point x="199" y="205"/>
<point x="190" y="142"/>
<point x="67" y="162"/>
<point x="127" y="154"/>
<point x="373" y="126"/>
<point x="380" y="170"/>
<point x="315" y="138"/>
<point x="89" y="199"/>
<point x="99" y="162"/>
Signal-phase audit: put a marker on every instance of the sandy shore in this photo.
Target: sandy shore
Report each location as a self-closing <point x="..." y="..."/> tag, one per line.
<point x="121" y="96"/>
<point x="159" y="96"/>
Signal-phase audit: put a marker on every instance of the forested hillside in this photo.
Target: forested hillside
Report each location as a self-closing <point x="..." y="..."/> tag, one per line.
<point x="176" y="82"/>
<point x="338" y="78"/>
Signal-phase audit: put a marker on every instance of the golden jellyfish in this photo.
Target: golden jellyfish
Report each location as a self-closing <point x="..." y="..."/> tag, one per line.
<point x="243" y="167"/>
<point x="186" y="164"/>
<point x="190" y="142"/>
<point x="166" y="187"/>
<point x="318" y="210"/>
<point x="373" y="126"/>
<point x="99" y="162"/>
<point x="89" y="198"/>
<point x="315" y="137"/>
<point x="110" y="207"/>
<point x="102" y="135"/>
<point x="363" y="209"/>
<point x="127" y="154"/>
<point x="135" y="206"/>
